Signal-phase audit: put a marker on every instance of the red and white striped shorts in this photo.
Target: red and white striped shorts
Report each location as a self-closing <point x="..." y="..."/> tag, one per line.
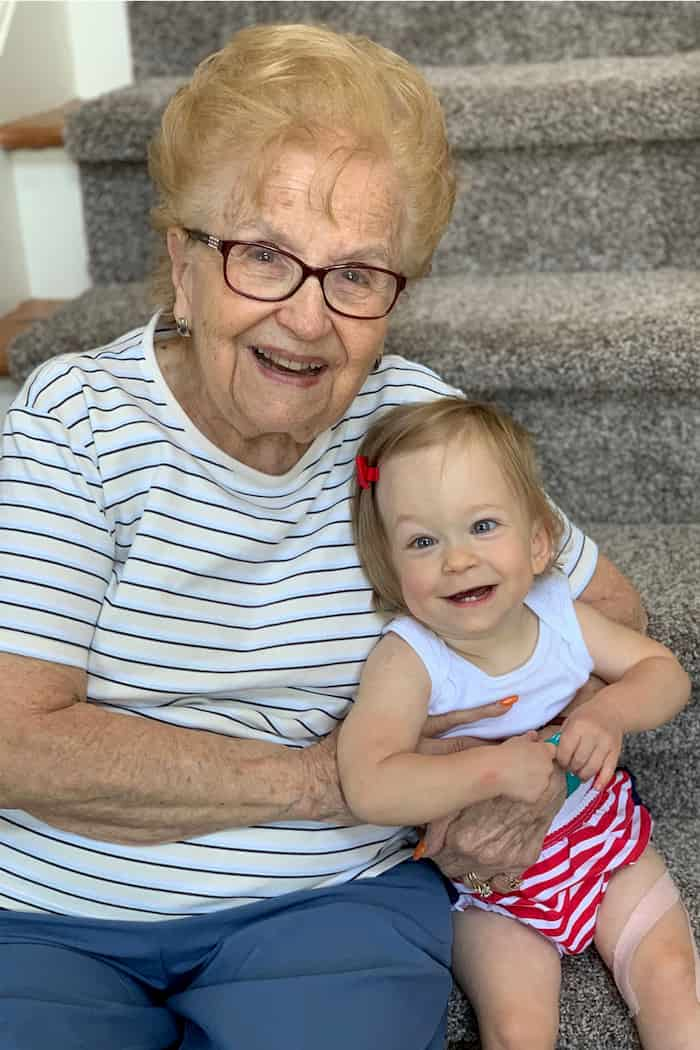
<point x="561" y="892"/>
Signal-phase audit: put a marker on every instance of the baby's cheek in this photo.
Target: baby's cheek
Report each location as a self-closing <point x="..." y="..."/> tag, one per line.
<point x="414" y="587"/>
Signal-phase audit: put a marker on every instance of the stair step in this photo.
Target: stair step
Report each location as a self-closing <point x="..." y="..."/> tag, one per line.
<point x="664" y="564"/>
<point x="173" y="37"/>
<point x="581" y="333"/>
<point x="99" y="315"/>
<point x="118" y="125"/>
<point x="21" y="318"/>
<point x="569" y="103"/>
<point x="494" y="107"/>
<point x="665" y="765"/>
<point x="613" y="206"/>
<point x="622" y="459"/>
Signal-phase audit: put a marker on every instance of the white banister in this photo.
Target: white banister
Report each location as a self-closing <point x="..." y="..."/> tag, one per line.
<point x="7" y="9"/>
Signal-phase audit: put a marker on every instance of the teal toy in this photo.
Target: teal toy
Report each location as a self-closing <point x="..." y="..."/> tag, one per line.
<point x="572" y="781"/>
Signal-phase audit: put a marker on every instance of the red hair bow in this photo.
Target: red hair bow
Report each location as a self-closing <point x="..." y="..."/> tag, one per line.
<point x="365" y="474"/>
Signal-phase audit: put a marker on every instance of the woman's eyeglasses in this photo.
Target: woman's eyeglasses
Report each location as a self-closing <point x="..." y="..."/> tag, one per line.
<point x="259" y="271"/>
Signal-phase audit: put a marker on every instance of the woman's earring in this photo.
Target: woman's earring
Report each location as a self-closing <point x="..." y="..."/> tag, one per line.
<point x="377" y="363"/>
<point x="183" y="327"/>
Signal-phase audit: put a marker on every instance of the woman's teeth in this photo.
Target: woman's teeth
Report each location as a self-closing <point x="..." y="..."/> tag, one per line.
<point x="285" y="363"/>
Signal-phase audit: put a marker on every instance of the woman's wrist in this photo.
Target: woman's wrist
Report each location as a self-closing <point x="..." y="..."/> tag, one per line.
<point x="321" y="797"/>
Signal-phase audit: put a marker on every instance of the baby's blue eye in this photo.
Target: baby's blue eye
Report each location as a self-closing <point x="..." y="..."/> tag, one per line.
<point x="484" y="525"/>
<point x="421" y="542"/>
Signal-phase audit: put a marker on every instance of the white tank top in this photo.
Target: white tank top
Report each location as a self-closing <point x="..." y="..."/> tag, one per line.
<point x="545" y="683"/>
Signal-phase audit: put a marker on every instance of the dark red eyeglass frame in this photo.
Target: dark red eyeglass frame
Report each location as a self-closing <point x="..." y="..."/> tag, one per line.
<point x="319" y="272"/>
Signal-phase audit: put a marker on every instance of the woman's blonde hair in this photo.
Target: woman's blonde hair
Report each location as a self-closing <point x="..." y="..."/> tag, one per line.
<point x="411" y="427"/>
<point x="271" y="85"/>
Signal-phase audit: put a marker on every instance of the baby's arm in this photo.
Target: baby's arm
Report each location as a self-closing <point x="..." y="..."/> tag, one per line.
<point x="384" y="779"/>
<point x="648" y="687"/>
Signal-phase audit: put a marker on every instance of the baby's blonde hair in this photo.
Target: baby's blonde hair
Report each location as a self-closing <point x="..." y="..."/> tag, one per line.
<point x="440" y="422"/>
<point x="272" y="85"/>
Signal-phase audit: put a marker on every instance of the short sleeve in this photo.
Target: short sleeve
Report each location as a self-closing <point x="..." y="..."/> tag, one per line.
<point x="578" y="555"/>
<point x="56" y="551"/>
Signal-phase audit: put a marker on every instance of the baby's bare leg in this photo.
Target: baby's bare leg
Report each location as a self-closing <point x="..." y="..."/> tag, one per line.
<point x="644" y="936"/>
<point x="511" y="976"/>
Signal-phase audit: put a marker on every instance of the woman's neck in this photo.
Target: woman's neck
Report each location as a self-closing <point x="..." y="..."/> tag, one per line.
<point x="273" y="454"/>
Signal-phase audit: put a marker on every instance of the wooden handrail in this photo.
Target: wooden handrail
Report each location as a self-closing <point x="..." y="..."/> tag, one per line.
<point x="40" y="131"/>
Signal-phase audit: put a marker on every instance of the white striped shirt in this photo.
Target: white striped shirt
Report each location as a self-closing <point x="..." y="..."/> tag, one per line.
<point x="195" y="591"/>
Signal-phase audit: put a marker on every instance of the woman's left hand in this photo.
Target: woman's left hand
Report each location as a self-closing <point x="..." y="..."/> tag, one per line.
<point x="506" y="881"/>
<point x="431" y="741"/>
<point x="494" y="836"/>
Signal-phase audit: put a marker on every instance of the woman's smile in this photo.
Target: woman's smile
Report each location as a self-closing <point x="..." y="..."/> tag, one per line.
<point x="281" y="364"/>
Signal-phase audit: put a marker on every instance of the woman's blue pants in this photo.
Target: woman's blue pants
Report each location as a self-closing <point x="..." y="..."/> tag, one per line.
<point x="362" y="966"/>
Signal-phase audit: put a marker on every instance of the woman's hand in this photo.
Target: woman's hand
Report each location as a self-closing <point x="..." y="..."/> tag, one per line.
<point x="591" y="740"/>
<point x="495" y="836"/>
<point x="436" y="725"/>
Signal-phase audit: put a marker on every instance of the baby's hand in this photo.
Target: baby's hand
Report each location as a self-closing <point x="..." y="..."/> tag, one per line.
<point x="591" y="741"/>
<point x="526" y="767"/>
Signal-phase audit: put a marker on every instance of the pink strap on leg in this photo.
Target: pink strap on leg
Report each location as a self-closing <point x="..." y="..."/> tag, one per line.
<point x="652" y="907"/>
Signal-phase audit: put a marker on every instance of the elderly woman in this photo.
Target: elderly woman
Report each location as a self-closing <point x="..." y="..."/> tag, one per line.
<point x="184" y="619"/>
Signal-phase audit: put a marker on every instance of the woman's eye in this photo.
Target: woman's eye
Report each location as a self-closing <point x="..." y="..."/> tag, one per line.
<point x="263" y="255"/>
<point x="358" y="277"/>
<point x="255" y="255"/>
<point x="484" y="525"/>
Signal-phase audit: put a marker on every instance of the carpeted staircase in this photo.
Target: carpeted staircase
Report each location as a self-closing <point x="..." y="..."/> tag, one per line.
<point x="567" y="288"/>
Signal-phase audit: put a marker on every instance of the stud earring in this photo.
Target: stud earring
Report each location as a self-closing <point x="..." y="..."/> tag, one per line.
<point x="183" y="327"/>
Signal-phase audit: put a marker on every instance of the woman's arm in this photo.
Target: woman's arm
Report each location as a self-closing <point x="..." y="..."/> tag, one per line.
<point x="614" y="595"/>
<point x="648" y="685"/>
<point x="127" y="779"/>
<point x="386" y="781"/>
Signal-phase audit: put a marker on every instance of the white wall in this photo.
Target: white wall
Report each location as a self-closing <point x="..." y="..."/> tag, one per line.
<point x="55" y="50"/>
<point x="14" y="281"/>
<point x="36" y="65"/>
<point x="50" y="216"/>
<point x="99" y="37"/>
<point x="61" y="49"/>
